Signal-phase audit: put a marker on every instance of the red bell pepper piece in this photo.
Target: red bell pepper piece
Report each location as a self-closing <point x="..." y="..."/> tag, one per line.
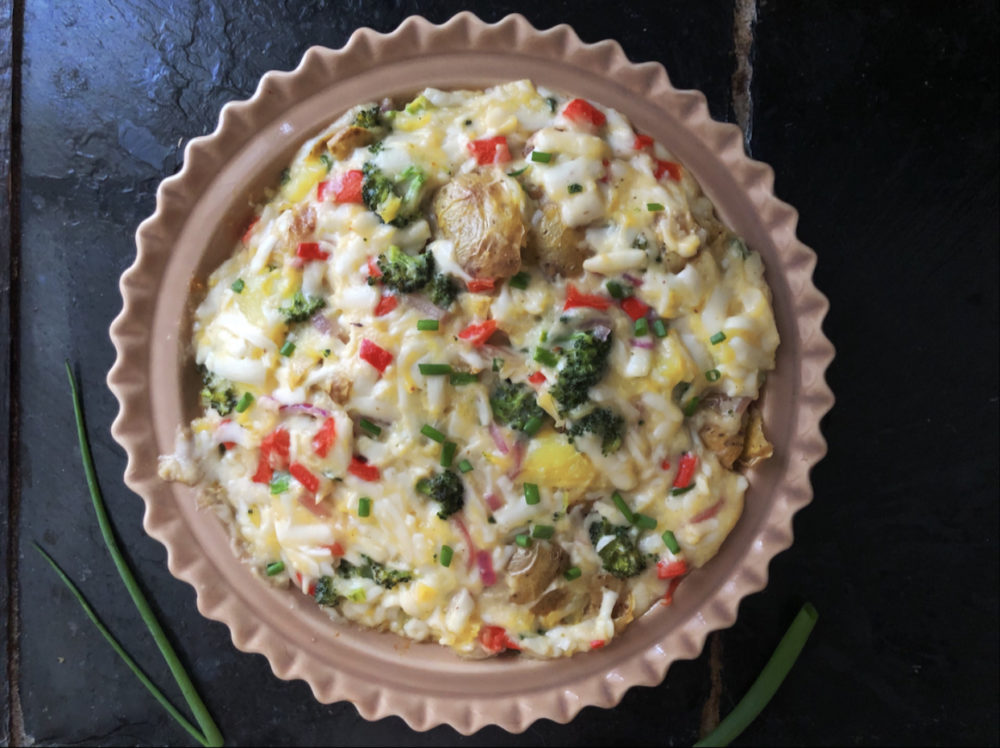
<point x="634" y="308"/>
<point x="374" y="271"/>
<point x="685" y="471"/>
<point x="708" y="513"/>
<point x="642" y="141"/>
<point x="479" y="332"/>
<point x="385" y="305"/>
<point x="264" y="470"/>
<point x="302" y="475"/>
<point x="671" y="570"/>
<point x="325" y="437"/>
<point x="480" y="284"/>
<point x="375" y="355"/>
<point x="665" y="465"/>
<point x="574" y="299"/>
<point x="664" y="167"/>
<point x="493" y="638"/>
<point x="249" y="232"/>
<point x="668" y="598"/>
<point x="579" y="110"/>
<point x="275" y="443"/>
<point x="344" y="188"/>
<point x="597" y="643"/>
<point x="537" y="378"/>
<point x="361" y="469"/>
<point x="489" y="150"/>
<point x="336" y="549"/>
<point x="311" y="251"/>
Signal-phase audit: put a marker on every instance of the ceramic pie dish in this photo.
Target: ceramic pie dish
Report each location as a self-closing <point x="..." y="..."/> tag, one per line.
<point x="201" y="211"/>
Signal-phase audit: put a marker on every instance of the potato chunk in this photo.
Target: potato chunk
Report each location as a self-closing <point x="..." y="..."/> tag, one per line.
<point x="555" y="247"/>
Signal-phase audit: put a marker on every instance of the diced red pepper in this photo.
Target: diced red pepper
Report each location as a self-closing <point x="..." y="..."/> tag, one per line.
<point x="336" y="549"/>
<point x="671" y="570"/>
<point x="361" y="469"/>
<point x="574" y="299"/>
<point x="668" y="598"/>
<point x="489" y="150"/>
<point x="481" y="284"/>
<point x="311" y="251"/>
<point x="708" y="513"/>
<point x="249" y="232"/>
<point x="374" y="271"/>
<point x="493" y="638"/>
<point x="344" y="188"/>
<point x="634" y="308"/>
<point x="264" y="470"/>
<point x="275" y="443"/>
<point x="580" y="110"/>
<point x="375" y="355"/>
<point x="685" y="471"/>
<point x="664" y="167"/>
<point x="597" y="643"/>
<point x="537" y="378"/>
<point x="325" y="437"/>
<point x="642" y="141"/>
<point x="665" y="465"/>
<point x="385" y="305"/>
<point x="302" y="475"/>
<point x="479" y="332"/>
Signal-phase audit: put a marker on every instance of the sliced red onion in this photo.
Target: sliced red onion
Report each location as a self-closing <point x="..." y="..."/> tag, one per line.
<point x="643" y="343"/>
<point x="307" y="409"/>
<point x="468" y="539"/>
<point x="518" y="456"/>
<point x="485" y="561"/>
<point x="498" y="439"/>
<point x="493" y="501"/>
<point x="708" y="513"/>
<point x="425" y="306"/>
<point x="632" y="279"/>
<point x="321" y="323"/>
<point x="601" y="332"/>
<point x="312" y="503"/>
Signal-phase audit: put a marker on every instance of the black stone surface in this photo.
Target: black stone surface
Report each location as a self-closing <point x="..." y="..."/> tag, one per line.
<point x="880" y="120"/>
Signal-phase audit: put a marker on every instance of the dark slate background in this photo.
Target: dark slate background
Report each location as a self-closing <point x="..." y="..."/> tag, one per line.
<point x="880" y="119"/>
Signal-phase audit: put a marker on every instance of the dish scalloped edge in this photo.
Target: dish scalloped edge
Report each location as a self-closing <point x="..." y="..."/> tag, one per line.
<point x="130" y="335"/>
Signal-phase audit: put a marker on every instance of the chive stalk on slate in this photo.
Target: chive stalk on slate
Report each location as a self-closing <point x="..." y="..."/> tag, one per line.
<point x="767" y="683"/>
<point x="211" y="735"/>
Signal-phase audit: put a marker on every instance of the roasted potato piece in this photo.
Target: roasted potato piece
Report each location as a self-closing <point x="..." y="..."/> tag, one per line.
<point x="555" y="247"/>
<point x="624" y="610"/>
<point x="531" y="570"/>
<point x="756" y="447"/>
<point x="481" y="213"/>
<point x="728" y="446"/>
<point x="343" y="142"/>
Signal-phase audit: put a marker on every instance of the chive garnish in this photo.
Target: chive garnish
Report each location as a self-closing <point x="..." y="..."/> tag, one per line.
<point x="531" y="493"/>
<point x="659" y="328"/>
<point x="713" y="375"/>
<point x="532" y="425"/>
<point x="238" y="285"/>
<point x="617" y="290"/>
<point x="670" y="540"/>
<point x="369" y="427"/>
<point x="446" y="555"/>
<point x="653" y="207"/>
<point x="717" y="338"/>
<point x="245" y="402"/>
<point x="520" y="280"/>
<point x="434" y="370"/>
<point x="432" y="433"/>
<point x="522" y="540"/>
<point x="691" y="406"/>
<point x="364" y="506"/>
<point x="641" y="327"/>
<point x="326" y="161"/>
<point x="644" y="522"/>
<point x="279" y="483"/>
<point x="541" y="157"/>
<point x="459" y="378"/>
<point x="679" y="491"/>
<point x="275" y="567"/>
<point x="572" y="573"/>
<point x="287" y="349"/>
<point x="543" y="532"/>
<point x="427" y="325"/>
<point x="545" y="356"/>
<point x="623" y="507"/>
<point x="517" y="173"/>
<point x="574" y="188"/>
<point x="448" y="453"/>
<point x="464" y="466"/>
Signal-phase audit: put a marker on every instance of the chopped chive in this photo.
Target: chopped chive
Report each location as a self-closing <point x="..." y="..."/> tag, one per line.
<point x="551" y="101"/>
<point x="713" y="375"/>
<point x="670" y="540"/>
<point x="497" y="364"/>
<point x="446" y="554"/>
<point x="238" y="285"/>
<point x="653" y="207"/>
<point x="572" y="573"/>
<point x="532" y="425"/>
<point x="448" y="453"/>
<point x="679" y="491"/>
<point x="459" y="378"/>
<point x="659" y="328"/>
<point x="623" y="507"/>
<point x="541" y="157"/>
<point x="427" y="325"/>
<point x="545" y="356"/>
<point x="432" y="433"/>
<point x="364" y="506"/>
<point x="279" y="483"/>
<point x="371" y="428"/>
<point x="434" y="370"/>
<point x="717" y="338"/>
<point x="520" y="280"/>
<point x="543" y="532"/>
<point x="522" y="540"/>
<point x="574" y="188"/>
<point x="644" y="522"/>
<point x="326" y="352"/>
<point x="691" y="406"/>
<point x="641" y="327"/>
<point x="531" y="493"/>
<point x="326" y="161"/>
<point x="275" y="567"/>
<point x="245" y="402"/>
<point x="464" y="466"/>
<point x="287" y="349"/>
<point x="617" y="290"/>
<point x="517" y="173"/>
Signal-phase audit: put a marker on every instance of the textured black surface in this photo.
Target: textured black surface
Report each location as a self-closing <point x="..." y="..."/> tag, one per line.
<point x="880" y="122"/>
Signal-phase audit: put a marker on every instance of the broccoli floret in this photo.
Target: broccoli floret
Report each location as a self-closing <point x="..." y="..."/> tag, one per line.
<point x="515" y="406"/>
<point x="446" y="488"/>
<point x="369" y="118"/>
<point x="325" y="593"/>
<point x="606" y="424"/>
<point x="403" y="272"/>
<point x="302" y="307"/>
<point x="620" y="556"/>
<point x="585" y="359"/>
<point x="217" y="393"/>
<point x="371" y="569"/>
<point x="443" y="290"/>
<point x="395" y="202"/>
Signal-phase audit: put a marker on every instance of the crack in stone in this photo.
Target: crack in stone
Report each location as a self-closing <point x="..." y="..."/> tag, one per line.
<point x="744" y="18"/>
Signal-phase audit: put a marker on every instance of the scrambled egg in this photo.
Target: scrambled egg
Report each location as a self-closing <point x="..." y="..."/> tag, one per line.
<point x="481" y="371"/>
